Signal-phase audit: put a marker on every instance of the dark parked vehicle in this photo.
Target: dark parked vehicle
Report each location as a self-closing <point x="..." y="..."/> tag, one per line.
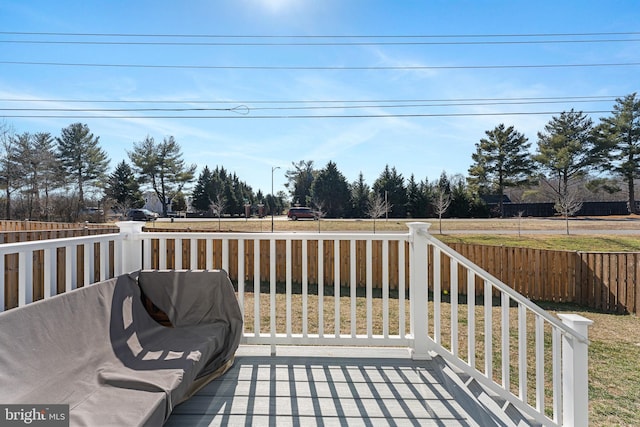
<point x="141" y="215"/>
<point x="296" y="213"/>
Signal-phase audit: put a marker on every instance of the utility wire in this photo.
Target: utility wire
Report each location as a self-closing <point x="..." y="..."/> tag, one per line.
<point x="594" y="98"/>
<point x="307" y="44"/>
<point x="344" y="116"/>
<point x="243" y="109"/>
<point x="326" y="36"/>
<point x="320" y="68"/>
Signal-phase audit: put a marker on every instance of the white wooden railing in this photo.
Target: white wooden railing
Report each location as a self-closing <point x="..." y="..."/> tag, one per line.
<point x="534" y="359"/>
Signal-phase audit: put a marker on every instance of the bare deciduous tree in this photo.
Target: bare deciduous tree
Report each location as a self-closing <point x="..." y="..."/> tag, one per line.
<point x="441" y="203"/>
<point x="568" y="204"/>
<point x="378" y="207"/>
<point x="319" y="212"/>
<point x="217" y="207"/>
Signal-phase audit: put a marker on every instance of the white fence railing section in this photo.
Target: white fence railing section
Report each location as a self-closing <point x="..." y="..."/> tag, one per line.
<point x="478" y="324"/>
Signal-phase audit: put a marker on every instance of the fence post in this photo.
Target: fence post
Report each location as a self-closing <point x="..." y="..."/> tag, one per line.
<point x="131" y="256"/>
<point x="575" y="373"/>
<point x="419" y="288"/>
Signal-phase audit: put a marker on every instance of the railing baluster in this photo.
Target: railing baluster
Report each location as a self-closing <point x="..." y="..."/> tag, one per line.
<point x="505" y="341"/>
<point x="488" y="330"/>
<point x="272" y="288"/>
<point x="193" y="254"/>
<point x="453" y="301"/>
<point x="241" y="261"/>
<point x="104" y="261"/>
<point x="118" y="249"/>
<point x="208" y="254"/>
<point x="557" y="379"/>
<point x="540" y="364"/>
<point x="320" y="288"/>
<point x="48" y="273"/>
<point x="23" y="298"/>
<point x="437" y="290"/>
<point x="353" y="287"/>
<point x="68" y="283"/>
<point x="147" y="255"/>
<point x="305" y="288"/>
<point x="402" y="283"/>
<point x="336" y="286"/>
<point x="471" y="319"/>
<point x="256" y="287"/>
<point x="177" y="254"/>
<point x="225" y="255"/>
<point x="162" y="254"/>
<point x="87" y="264"/>
<point x="522" y="351"/>
<point x="369" y="288"/>
<point x="385" y="288"/>
<point x="288" y="284"/>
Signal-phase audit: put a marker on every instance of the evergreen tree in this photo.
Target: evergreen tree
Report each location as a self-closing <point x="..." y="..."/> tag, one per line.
<point x="299" y="182"/>
<point x="161" y="167"/>
<point x="501" y="160"/>
<point x="390" y="186"/>
<point x="331" y="191"/>
<point x="200" y="196"/>
<point x="416" y="199"/>
<point x="619" y="135"/>
<point x="360" y="193"/>
<point x="81" y="157"/>
<point x="123" y="188"/>
<point x="566" y="149"/>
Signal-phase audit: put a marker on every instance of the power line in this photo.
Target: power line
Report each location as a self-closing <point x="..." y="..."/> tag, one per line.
<point x="244" y="109"/>
<point x="307" y="44"/>
<point x="594" y="98"/>
<point x="343" y="116"/>
<point x="325" y="36"/>
<point x="321" y="68"/>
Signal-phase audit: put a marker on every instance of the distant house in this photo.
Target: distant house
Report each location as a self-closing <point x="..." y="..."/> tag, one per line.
<point x="152" y="202"/>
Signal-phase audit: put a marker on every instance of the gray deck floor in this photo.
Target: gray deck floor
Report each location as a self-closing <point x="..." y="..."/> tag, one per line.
<point x="327" y="387"/>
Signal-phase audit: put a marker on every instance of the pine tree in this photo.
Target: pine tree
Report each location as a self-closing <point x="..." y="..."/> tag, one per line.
<point x="390" y="186"/>
<point x="81" y="157"/>
<point x="330" y="190"/>
<point x="161" y="167"/>
<point x="566" y="148"/>
<point x="123" y="188"/>
<point x="501" y="160"/>
<point x="619" y="135"/>
<point x="360" y="192"/>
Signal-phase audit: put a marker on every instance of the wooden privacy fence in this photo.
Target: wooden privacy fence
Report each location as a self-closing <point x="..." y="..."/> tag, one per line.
<point x="603" y="281"/>
<point x="608" y="282"/>
<point x="11" y="225"/>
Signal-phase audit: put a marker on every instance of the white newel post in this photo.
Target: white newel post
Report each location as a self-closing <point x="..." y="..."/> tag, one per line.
<point x="418" y="288"/>
<point x="575" y="372"/>
<point x="131" y="245"/>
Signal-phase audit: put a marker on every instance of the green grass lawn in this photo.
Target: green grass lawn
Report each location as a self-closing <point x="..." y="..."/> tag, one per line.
<point x="584" y="243"/>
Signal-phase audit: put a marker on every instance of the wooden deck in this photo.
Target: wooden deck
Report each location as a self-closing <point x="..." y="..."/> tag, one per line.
<point x="303" y="386"/>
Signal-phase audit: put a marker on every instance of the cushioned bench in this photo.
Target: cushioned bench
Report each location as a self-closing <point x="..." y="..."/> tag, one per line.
<point x="98" y="350"/>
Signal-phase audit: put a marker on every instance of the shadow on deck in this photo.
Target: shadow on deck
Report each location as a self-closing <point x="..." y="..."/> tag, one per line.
<point x="330" y="386"/>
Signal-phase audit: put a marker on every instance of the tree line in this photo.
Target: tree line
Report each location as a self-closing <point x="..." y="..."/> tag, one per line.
<point x="56" y="178"/>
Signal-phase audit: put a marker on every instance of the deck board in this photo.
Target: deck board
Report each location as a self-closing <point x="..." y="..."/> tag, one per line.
<point x="323" y="386"/>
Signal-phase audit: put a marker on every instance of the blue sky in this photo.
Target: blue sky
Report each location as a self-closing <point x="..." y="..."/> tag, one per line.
<point x="249" y="146"/>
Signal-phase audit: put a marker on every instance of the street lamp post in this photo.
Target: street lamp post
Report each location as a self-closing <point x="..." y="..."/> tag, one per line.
<point x="273" y="168"/>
